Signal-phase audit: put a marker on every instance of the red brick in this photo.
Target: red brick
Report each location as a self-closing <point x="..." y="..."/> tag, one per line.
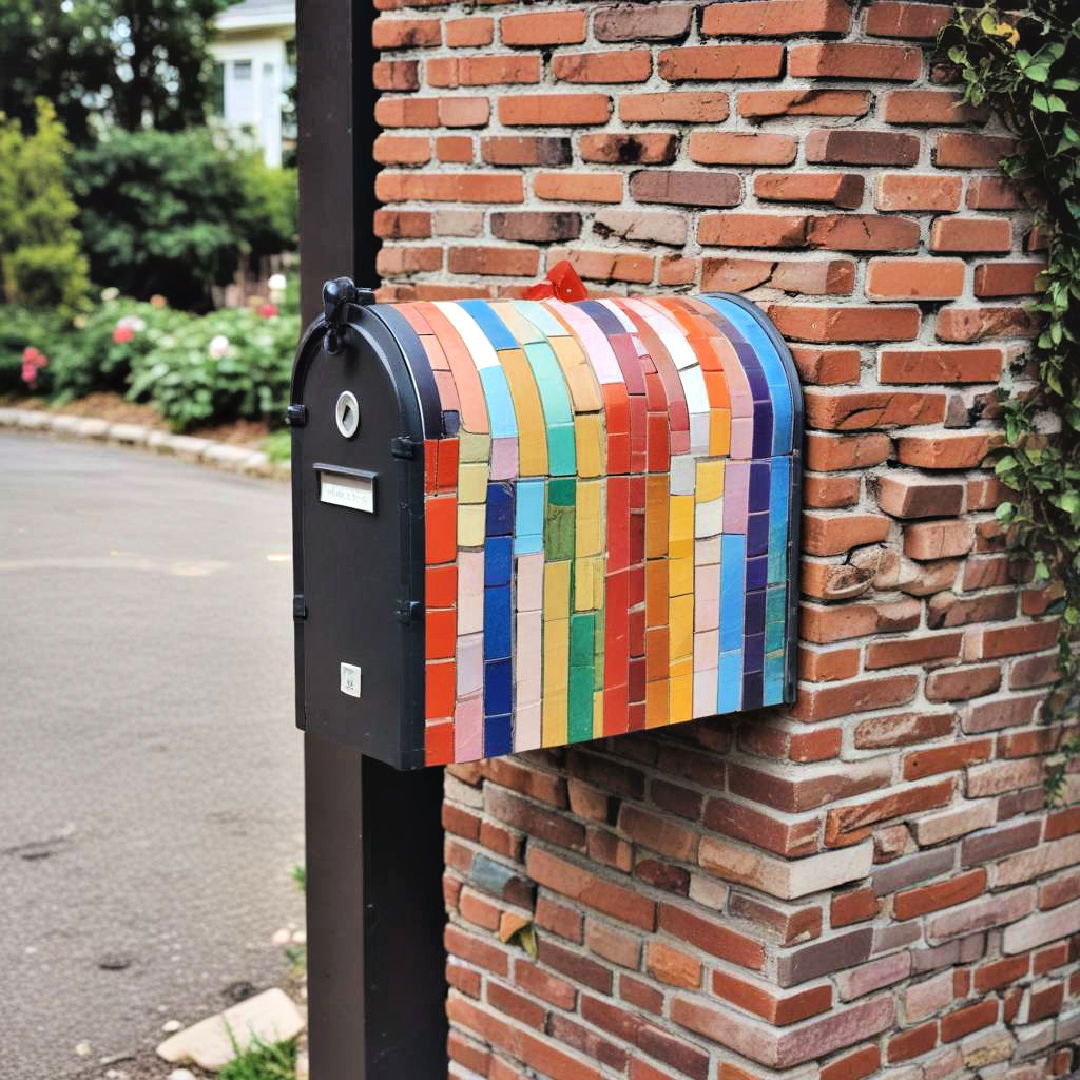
<point x="618" y="901"/>
<point x="938" y="539"/>
<point x="559" y="110"/>
<point x="652" y="22"/>
<point x="939" y="759"/>
<point x="999" y="973"/>
<point x="827" y="367"/>
<point x="536" y="226"/>
<point x="913" y="650"/>
<point x="907" y="191"/>
<point x="943" y="451"/>
<point x="856" y="906"/>
<point x="843" y="190"/>
<point x="965" y="325"/>
<point x="850" y="824"/>
<point x="831" y="492"/>
<point x="961" y="1022"/>
<point x="544" y="985"/>
<point x="525" y="150"/>
<point x="579" y="187"/>
<point x="964" y="150"/>
<point x="405" y="33"/>
<point x="902" y="729"/>
<point x="899" y="18"/>
<point x="828" y="665"/>
<point x="612" y="944"/>
<point x="629" y="65"/>
<point x="738" y="148"/>
<point x="776" y="18"/>
<point x="844" y="324"/>
<point x="908" y="495"/>
<point x="835" y="147"/>
<point x="862" y="695"/>
<point x="708" y="107"/>
<point x="1008" y="278"/>
<point x="855" y="60"/>
<point x="454" y="71"/>
<point x="994" y="193"/>
<point x="912" y="1043"/>
<point x="673" y="966"/>
<point x="915" y="279"/>
<point x="828" y="534"/>
<point x="762" y="104"/>
<point x="941" y="365"/>
<point x="684" y="188"/>
<point x="469" y="32"/>
<point x="928" y="107"/>
<point x="396" y="75"/>
<point x="713" y="937"/>
<point x="565" y="27"/>
<point x="763" y="1001"/>
<point x="857" y="1066"/>
<point x="512" y="262"/>
<point x="709" y="62"/>
<point x="622" y="149"/>
<point x="963" y="683"/>
<point x="971" y="234"/>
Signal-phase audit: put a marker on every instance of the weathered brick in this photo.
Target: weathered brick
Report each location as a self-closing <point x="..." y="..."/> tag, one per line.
<point x="835" y="189"/>
<point x="762" y="104"/>
<point x="906" y="191"/>
<point x="636" y="22"/>
<point x="686" y="188"/>
<point x="565" y="27"/>
<point x="720" y="62"/>
<point x="834" y="147"/>
<point x="855" y="61"/>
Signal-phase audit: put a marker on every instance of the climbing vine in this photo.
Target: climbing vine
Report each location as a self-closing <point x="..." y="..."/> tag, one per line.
<point x="1024" y="64"/>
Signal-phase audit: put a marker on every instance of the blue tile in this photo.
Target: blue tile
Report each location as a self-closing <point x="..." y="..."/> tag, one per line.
<point x="760" y="489"/>
<point x="732" y="591"/>
<point x="754" y="653"/>
<point x="500" y="510"/>
<point x="775" y="678"/>
<point x="498" y="687"/>
<point x="780" y="526"/>
<point x="755" y="613"/>
<point x="500" y="405"/>
<point x="452" y="421"/>
<point x="497" y="622"/>
<point x="498" y="735"/>
<point x="757" y="572"/>
<point x="494" y="328"/>
<point x="498" y="560"/>
<point x="753" y="690"/>
<point x="729" y="685"/>
<point x="757" y="534"/>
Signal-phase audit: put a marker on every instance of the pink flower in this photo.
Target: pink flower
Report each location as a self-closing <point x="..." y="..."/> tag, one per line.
<point x="123" y="333"/>
<point x="268" y="311"/>
<point x="33" y="359"/>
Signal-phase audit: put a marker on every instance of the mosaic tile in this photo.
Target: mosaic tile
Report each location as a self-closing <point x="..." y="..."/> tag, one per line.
<point x="610" y="488"/>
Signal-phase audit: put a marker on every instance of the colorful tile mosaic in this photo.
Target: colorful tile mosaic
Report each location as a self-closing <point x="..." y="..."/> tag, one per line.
<point x="610" y="511"/>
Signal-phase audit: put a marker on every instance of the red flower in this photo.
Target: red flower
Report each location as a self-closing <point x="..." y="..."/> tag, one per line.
<point x="33" y="359"/>
<point x="123" y="333"/>
<point x="268" y="311"/>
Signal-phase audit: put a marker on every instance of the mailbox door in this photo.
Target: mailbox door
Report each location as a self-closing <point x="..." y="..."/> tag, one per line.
<point x="357" y="500"/>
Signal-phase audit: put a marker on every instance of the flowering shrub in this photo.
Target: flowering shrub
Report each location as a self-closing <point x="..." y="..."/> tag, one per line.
<point x="196" y="369"/>
<point x="228" y="365"/>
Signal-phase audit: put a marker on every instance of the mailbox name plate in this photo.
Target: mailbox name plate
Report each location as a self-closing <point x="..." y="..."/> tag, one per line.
<point x="351" y="488"/>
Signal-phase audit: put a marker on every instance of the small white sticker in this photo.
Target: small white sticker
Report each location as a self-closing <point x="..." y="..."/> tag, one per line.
<point x="354" y="492"/>
<point x="350" y="679"/>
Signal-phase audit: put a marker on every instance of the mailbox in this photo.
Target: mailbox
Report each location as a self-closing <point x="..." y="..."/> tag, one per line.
<point x="528" y="523"/>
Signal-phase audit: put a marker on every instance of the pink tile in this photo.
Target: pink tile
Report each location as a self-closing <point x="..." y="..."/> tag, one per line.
<point x="742" y="438"/>
<point x="504" y="459"/>
<point x="470" y="603"/>
<point x="470" y="664"/>
<point x="706" y="597"/>
<point x="527" y="728"/>
<point x="530" y="582"/>
<point x="469" y="729"/>
<point x="529" y="657"/>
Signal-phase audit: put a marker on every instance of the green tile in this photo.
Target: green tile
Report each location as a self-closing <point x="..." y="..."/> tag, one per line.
<point x="559" y="513"/>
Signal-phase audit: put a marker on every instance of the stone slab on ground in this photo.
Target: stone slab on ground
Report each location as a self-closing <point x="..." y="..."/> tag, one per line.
<point x="268" y="1017"/>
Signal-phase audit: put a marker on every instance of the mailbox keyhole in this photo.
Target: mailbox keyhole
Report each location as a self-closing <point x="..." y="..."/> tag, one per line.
<point x="347" y="414"/>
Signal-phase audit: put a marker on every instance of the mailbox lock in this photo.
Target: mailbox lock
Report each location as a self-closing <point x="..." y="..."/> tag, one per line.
<point x="347" y="414"/>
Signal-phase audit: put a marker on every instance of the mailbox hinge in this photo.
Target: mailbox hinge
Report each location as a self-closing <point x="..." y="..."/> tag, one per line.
<point x="338" y="294"/>
<point x="403" y="447"/>
<point x="407" y="610"/>
<point x="299" y="607"/>
<point x="296" y="416"/>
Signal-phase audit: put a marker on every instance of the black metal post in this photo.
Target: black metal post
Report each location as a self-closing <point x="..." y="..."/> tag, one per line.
<point x="376" y="976"/>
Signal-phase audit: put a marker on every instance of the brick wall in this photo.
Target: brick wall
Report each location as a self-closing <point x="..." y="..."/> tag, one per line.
<point x="867" y="884"/>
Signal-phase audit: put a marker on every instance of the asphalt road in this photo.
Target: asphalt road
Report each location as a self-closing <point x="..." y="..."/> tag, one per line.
<point x="151" y="783"/>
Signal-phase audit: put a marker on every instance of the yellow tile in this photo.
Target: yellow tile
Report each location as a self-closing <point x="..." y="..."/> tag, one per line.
<point x="598" y="714"/>
<point x="681" y="576"/>
<point x="472" y="482"/>
<point x="682" y="667"/>
<point x="681" y="629"/>
<point x="520" y="327"/>
<point x="532" y="435"/>
<point x="682" y="698"/>
<point x="584" y="389"/>
<point x="471" y="523"/>
<point x="589" y="444"/>
<point x="553" y="720"/>
<point x="681" y="526"/>
<point x="556" y="590"/>
<point x="589" y="519"/>
<point x="657" y="703"/>
<point x="473" y="447"/>
<point x="709" y="483"/>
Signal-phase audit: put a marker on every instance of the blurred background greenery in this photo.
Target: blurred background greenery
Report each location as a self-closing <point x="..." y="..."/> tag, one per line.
<point x="147" y="246"/>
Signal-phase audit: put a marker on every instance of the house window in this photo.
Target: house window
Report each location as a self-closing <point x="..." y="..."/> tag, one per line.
<point x="242" y="70"/>
<point x="217" y="90"/>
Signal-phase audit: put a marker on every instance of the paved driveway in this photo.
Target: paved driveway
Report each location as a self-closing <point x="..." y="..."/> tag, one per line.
<point x="151" y="784"/>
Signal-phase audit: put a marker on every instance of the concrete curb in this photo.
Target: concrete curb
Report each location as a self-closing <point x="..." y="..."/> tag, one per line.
<point x="224" y="456"/>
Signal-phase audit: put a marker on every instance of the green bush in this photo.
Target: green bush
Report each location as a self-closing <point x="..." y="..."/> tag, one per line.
<point x="228" y="365"/>
<point x="171" y="213"/>
<point x="40" y="248"/>
<point x="20" y="330"/>
<point x="100" y="352"/>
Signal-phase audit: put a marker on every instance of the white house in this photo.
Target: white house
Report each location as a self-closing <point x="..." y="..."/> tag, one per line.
<point x="254" y="72"/>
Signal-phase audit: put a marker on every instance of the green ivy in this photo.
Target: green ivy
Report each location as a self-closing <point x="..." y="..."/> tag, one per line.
<point x="1024" y="64"/>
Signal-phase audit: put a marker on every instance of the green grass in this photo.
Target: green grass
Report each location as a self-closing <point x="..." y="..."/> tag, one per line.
<point x="263" y="1061"/>
<point x="278" y="445"/>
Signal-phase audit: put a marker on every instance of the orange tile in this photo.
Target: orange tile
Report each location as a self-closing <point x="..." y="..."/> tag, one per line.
<point x="440" y="586"/>
<point x="448" y="464"/>
<point x="431" y="466"/>
<point x="439" y="743"/>
<point x="440" y="689"/>
<point x="440" y="529"/>
<point x="440" y="634"/>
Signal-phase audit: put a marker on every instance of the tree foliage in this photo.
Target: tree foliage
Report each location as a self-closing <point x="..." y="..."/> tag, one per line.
<point x="172" y="213"/>
<point x="40" y="248"/>
<point x="1026" y="65"/>
<point x="133" y="63"/>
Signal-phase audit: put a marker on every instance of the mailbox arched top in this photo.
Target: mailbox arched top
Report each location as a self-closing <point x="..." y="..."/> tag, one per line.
<point x="609" y="497"/>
